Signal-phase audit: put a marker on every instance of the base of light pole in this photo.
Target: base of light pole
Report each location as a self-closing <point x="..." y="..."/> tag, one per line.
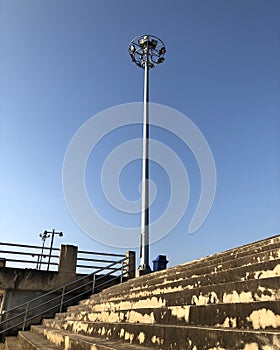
<point x="143" y="270"/>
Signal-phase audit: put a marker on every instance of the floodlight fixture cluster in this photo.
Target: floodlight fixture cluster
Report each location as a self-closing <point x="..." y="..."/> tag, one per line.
<point x="147" y="49"/>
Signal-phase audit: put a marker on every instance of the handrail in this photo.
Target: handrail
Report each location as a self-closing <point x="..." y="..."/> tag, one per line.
<point x="22" y="253"/>
<point x="31" y="262"/>
<point x="63" y="295"/>
<point x="85" y="256"/>
<point x="26" y="246"/>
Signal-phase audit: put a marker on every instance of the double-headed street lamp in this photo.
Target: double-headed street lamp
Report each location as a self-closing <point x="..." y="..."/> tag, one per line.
<point x="146" y="52"/>
<point x="46" y="234"/>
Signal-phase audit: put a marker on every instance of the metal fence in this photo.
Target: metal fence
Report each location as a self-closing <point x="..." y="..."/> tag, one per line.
<point x="29" y="256"/>
<point x="96" y="260"/>
<point x="44" y="258"/>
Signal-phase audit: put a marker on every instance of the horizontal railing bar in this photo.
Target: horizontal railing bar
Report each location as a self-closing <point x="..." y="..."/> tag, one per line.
<point x="94" y="267"/>
<point x="31" y="262"/>
<point x="27" y="246"/>
<point x="24" y="253"/>
<point x="98" y="253"/>
<point x="97" y="260"/>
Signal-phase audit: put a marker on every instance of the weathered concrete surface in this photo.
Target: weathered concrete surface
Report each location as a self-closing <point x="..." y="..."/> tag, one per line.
<point x="17" y="298"/>
<point x="35" y="341"/>
<point x="12" y="343"/>
<point x="51" y="339"/>
<point x="29" y="279"/>
<point x="175" y="337"/>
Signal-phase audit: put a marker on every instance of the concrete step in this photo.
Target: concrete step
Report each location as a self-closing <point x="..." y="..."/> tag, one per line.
<point x="266" y="289"/>
<point x="257" y="271"/>
<point x="252" y="268"/>
<point x="265" y="246"/>
<point x="197" y="268"/>
<point x="32" y="341"/>
<point x="237" y="252"/>
<point x="11" y="343"/>
<point x="256" y="315"/>
<point x="167" y="337"/>
<point x="81" y="342"/>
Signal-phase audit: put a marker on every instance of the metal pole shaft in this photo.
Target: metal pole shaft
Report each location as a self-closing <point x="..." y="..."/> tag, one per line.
<point x="144" y="253"/>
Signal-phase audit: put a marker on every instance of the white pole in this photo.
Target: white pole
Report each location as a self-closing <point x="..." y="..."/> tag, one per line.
<point x="144" y="251"/>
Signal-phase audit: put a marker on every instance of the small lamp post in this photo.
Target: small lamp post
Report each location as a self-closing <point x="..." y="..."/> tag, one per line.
<point x="146" y="51"/>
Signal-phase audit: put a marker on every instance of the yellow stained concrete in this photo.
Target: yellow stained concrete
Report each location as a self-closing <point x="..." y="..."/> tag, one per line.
<point x="264" y="318"/>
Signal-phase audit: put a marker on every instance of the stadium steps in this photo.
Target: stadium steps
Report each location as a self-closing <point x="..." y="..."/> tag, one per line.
<point x="227" y="301"/>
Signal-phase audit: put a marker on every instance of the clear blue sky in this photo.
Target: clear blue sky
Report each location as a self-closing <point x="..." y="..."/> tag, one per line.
<point x="63" y="61"/>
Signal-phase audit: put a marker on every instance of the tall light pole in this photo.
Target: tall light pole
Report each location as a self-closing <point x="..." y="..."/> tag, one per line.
<point x="146" y="52"/>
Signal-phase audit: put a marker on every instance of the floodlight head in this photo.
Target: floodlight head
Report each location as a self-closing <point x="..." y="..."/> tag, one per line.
<point x="153" y="43"/>
<point x="147" y="50"/>
<point x="162" y="51"/>
<point x="141" y="42"/>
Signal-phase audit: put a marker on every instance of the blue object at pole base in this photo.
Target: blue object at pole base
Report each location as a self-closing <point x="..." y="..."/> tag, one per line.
<point x="160" y="263"/>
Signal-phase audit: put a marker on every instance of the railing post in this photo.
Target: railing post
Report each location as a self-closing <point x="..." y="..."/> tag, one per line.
<point x="62" y="299"/>
<point x="93" y="282"/>
<point x="122" y="272"/>
<point x="68" y="259"/>
<point x="1" y="315"/>
<point x="130" y="264"/>
<point x="2" y="262"/>
<point x="25" y="316"/>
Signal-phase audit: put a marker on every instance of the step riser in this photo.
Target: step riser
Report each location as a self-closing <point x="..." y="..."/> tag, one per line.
<point x="26" y="345"/>
<point x="187" y="338"/>
<point x="11" y="343"/>
<point x="33" y="341"/>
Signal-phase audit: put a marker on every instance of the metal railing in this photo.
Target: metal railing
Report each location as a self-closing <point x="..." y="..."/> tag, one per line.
<point x="91" y="260"/>
<point x="46" y="305"/>
<point x="31" y="256"/>
<point x="26" y="251"/>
